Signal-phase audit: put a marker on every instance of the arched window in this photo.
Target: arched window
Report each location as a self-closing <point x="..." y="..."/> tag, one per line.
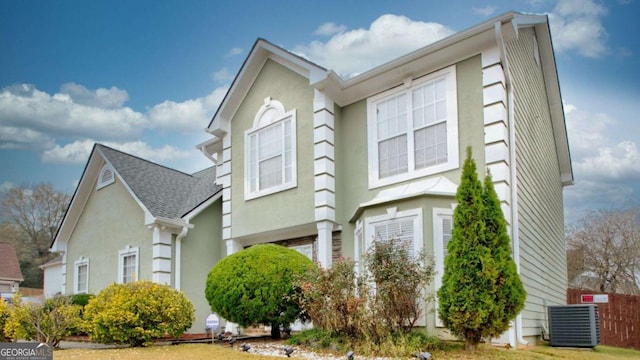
<point x="270" y="151"/>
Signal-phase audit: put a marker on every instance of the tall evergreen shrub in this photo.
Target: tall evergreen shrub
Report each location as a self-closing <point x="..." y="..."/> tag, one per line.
<point x="481" y="291"/>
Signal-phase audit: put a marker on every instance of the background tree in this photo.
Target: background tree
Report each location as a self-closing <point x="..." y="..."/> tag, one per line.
<point x="255" y="286"/>
<point x="604" y="251"/>
<point x="31" y="216"/>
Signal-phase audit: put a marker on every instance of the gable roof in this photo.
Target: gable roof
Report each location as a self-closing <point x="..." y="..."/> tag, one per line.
<point x="9" y="264"/>
<point x="393" y="73"/>
<point x="165" y="192"/>
<point x="53" y="262"/>
<point x="162" y="192"/>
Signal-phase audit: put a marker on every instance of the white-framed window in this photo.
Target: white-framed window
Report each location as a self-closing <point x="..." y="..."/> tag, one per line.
<point x="413" y="129"/>
<point x="81" y="276"/>
<point x="306" y="250"/>
<point x="405" y="226"/>
<point x="442" y="228"/>
<point x="106" y="176"/>
<point x="128" y="265"/>
<point x="270" y="151"/>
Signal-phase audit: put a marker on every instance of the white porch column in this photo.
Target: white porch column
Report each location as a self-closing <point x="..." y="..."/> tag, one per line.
<point x="161" y="263"/>
<point x="325" y="243"/>
<point x="324" y="174"/>
<point x="233" y="246"/>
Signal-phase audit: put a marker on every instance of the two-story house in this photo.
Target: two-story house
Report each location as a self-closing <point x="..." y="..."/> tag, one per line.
<point x="325" y="164"/>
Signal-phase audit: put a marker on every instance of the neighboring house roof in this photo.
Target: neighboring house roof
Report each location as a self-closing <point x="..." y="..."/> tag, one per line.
<point x="9" y="264"/>
<point x="53" y="262"/>
<point x="393" y="73"/>
<point x="162" y="192"/>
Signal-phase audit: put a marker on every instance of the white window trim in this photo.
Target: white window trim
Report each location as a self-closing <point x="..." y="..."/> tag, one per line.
<point x="100" y="184"/>
<point x="257" y="127"/>
<point x="306" y="250"/>
<point x="393" y="214"/>
<point x="82" y="261"/>
<point x="121" y="255"/>
<point x="375" y="181"/>
<point x="438" y="251"/>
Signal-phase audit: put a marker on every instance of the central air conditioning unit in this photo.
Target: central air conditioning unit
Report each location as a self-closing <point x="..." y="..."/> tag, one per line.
<point x="574" y="325"/>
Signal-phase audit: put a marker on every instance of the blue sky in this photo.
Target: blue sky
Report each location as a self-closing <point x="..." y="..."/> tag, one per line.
<point x="146" y="76"/>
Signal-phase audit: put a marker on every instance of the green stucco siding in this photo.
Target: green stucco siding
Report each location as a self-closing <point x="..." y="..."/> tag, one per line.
<point x="110" y="221"/>
<point x="540" y="205"/>
<point x="352" y="187"/>
<point x="201" y="249"/>
<point x="286" y="208"/>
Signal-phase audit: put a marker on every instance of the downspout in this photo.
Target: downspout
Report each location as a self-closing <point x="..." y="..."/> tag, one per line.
<point x="512" y="160"/>
<point x="183" y="233"/>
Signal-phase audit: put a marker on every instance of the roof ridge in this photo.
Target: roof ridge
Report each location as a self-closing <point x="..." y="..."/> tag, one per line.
<point x="145" y="160"/>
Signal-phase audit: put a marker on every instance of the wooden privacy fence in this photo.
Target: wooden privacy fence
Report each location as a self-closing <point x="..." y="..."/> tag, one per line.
<point x="619" y="318"/>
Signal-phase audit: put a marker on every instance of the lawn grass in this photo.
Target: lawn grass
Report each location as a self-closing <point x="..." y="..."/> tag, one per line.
<point x="207" y="351"/>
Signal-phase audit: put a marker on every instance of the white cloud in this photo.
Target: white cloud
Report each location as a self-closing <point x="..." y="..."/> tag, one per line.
<point x="222" y="75"/>
<point x="103" y="98"/>
<point x="12" y="137"/>
<point x="388" y="37"/>
<point x="74" y="153"/>
<point x="35" y="120"/>
<point x="607" y="171"/>
<point x="328" y="29"/>
<point x="188" y="116"/>
<point x="24" y="106"/>
<point x="485" y="11"/>
<point x="78" y="152"/>
<point x="587" y="131"/>
<point x="577" y="25"/>
<point x="620" y="162"/>
<point x="233" y="52"/>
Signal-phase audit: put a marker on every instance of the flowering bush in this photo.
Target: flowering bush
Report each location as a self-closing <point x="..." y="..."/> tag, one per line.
<point x="137" y="313"/>
<point x="4" y="315"/>
<point x="47" y="322"/>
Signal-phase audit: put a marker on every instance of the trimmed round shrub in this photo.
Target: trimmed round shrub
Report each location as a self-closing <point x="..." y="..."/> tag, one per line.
<point x="255" y="286"/>
<point x="137" y="313"/>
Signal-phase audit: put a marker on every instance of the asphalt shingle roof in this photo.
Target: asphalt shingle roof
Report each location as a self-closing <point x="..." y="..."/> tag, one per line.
<point x="164" y="191"/>
<point x="9" y="265"/>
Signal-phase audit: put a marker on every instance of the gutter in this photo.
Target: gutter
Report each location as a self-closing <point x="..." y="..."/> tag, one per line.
<point x="513" y="174"/>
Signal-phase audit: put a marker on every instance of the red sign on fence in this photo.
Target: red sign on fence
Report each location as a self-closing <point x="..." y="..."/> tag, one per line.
<point x="594" y="298"/>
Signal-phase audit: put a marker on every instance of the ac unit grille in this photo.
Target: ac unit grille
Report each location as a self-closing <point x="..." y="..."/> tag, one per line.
<point x="574" y="325"/>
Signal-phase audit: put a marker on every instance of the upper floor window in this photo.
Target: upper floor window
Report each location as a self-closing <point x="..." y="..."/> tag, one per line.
<point x="106" y="176"/>
<point x="413" y="129"/>
<point x="270" y="151"/>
